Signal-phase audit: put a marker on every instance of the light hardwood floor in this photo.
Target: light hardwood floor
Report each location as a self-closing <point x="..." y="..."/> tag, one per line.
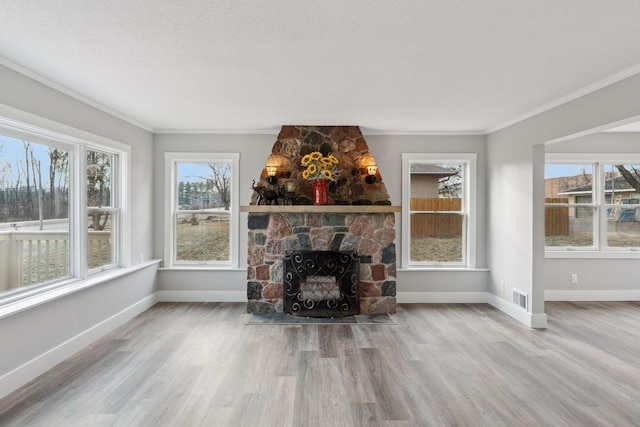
<point x="442" y="365"/>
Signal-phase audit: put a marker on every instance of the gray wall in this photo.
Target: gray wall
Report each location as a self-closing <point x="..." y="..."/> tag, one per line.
<point x="599" y="142"/>
<point x="435" y="285"/>
<point x="198" y="285"/>
<point x="25" y="95"/>
<point x="598" y="279"/>
<point x="516" y="181"/>
<point x="43" y="335"/>
<point x="254" y="149"/>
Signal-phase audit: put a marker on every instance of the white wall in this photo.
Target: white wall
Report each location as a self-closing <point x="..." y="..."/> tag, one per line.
<point x="516" y="164"/>
<point x="598" y="279"/>
<point x="37" y="338"/>
<point x="440" y="286"/>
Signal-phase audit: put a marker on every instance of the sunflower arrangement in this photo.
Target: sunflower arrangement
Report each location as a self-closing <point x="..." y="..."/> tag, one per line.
<point x="318" y="166"/>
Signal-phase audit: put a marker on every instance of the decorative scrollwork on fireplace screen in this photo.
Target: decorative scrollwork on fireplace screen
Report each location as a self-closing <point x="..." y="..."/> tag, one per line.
<point x="321" y="283"/>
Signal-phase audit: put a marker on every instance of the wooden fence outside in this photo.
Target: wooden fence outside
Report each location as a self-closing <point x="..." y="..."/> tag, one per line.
<point x="556" y="219"/>
<point x="439" y="224"/>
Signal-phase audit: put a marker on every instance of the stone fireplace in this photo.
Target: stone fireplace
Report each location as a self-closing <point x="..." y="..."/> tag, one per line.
<point x="359" y="220"/>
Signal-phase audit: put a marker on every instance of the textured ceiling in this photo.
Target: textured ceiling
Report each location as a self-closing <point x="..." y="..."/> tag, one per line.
<point x="411" y="66"/>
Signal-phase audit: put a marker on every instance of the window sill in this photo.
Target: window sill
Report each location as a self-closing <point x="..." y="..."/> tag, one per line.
<point x="71" y="286"/>
<point x="202" y="268"/>
<point x="446" y="269"/>
<point x="592" y="254"/>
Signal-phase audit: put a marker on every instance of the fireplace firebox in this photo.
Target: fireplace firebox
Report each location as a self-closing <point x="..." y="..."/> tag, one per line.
<point x="321" y="283"/>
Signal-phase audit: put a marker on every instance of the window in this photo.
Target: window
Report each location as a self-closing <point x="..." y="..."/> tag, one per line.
<point x="438" y="210"/>
<point x="202" y="213"/>
<point x="591" y="203"/>
<point x="102" y="209"/>
<point x="46" y="237"/>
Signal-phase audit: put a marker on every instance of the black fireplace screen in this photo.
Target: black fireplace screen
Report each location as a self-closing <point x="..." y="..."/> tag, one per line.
<point x="321" y="283"/>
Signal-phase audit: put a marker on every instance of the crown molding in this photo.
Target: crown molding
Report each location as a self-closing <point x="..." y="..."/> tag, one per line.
<point x="275" y="130"/>
<point x="265" y="131"/>
<point x="371" y="131"/>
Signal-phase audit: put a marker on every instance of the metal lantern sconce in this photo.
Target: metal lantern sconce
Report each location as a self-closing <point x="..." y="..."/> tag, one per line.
<point x="371" y="174"/>
<point x="271" y="173"/>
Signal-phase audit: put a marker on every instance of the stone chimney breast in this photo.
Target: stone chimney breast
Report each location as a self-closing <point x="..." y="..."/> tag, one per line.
<point x="349" y="184"/>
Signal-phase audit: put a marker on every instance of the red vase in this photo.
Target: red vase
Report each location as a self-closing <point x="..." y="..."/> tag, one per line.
<point x="320" y="192"/>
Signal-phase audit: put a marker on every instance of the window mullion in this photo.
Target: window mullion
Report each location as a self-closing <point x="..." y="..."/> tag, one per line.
<point x="600" y="210"/>
<point x="435" y="212"/>
<point x="79" y="238"/>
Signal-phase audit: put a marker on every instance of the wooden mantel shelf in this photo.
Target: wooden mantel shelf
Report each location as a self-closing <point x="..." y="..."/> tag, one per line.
<point x="320" y="209"/>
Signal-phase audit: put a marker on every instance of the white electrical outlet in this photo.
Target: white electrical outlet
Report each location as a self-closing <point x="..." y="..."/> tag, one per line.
<point x="574" y="278"/>
<point x="502" y="285"/>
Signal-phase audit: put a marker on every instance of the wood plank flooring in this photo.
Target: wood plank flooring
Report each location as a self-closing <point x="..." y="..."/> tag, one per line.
<point x="199" y="364"/>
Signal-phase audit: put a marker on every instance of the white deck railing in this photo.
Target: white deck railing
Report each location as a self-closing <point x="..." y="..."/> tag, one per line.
<point x="31" y="257"/>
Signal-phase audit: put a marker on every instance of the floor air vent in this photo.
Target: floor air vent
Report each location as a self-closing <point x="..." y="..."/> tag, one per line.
<point x="519" y="298"/>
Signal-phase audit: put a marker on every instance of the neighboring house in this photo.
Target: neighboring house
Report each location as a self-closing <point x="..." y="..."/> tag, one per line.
<point x="553" y="187"/>
<point x="617" y="190"/>
<point x="425" y="179"/>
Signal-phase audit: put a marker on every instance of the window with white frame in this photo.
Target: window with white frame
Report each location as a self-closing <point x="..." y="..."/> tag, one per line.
<point x="102" y="208"/>
<point x="592" y="203"/>
<point x="61" y="201"/>
<point x="201" y="216"/>
<point x="438" y="226"/>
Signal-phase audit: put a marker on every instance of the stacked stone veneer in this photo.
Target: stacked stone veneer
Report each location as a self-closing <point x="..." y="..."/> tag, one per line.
<point x="371" y="236"/>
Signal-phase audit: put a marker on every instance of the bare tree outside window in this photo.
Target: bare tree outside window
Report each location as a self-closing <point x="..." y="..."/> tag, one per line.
<point x="451" y="185"/>
<point x="58" y="179"/>
<point x="221" y="179"/>
<point x="100" y="204"/>
<point x="34" y="214"/>
<point x="631" y="176"/>
<point x="203" y="201"/>
<point x="217" y="183"/>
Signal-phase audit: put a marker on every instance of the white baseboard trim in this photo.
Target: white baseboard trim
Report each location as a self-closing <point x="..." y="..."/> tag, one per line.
<point x="536" y="321"/>
<point x="202" y="296"/>
<point x="20" y="376"/>
<point x="539" y="321"/>
<point x="441" y="297"/>
<point x="584" y="295"/>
